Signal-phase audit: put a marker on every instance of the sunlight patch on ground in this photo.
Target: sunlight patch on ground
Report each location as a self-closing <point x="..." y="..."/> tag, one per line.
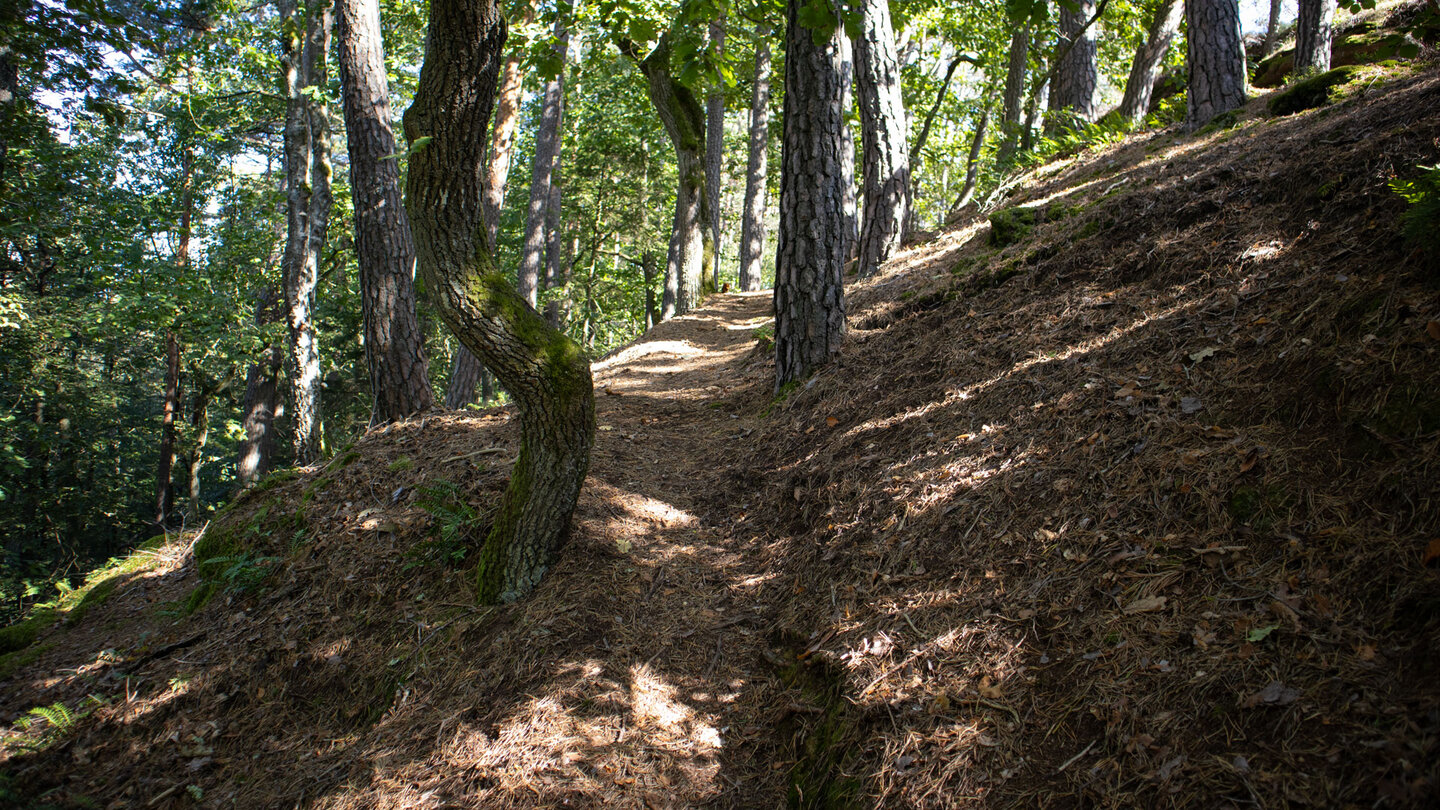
<point x="682" y="348"/>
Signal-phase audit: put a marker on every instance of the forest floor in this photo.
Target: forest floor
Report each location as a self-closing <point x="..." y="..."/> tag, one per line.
<point x="1137" y="510"/>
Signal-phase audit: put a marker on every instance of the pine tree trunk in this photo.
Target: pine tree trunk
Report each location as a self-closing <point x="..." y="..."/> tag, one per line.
<point x="752" y="226"/>
<point x="169" y="409"/>
<point x="1010" y="116"/>
<point x="883" y="139"/>
<point x="394" y="346"/>
<point x="972" y="162"/>
<point x="1314" y="31"/>
<point x="1215" y="60"/>
<point x="715" y="153"/>
<point x="545" y="372"/>
<point x="851" y="192"/>
<point x="809" y="288"/>
<point x="1075" y="80"/>
<point x="684" y="121"/>
<point x="547" y="152"/>
<point x="307" y="169"/>
<point x="258" y="410"/>
<point x="1272" y="29"/>
<point x="650" y="271"/>
<point x="1148" y="62"/>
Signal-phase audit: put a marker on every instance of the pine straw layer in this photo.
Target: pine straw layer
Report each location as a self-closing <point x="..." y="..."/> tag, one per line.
<point x="1131" y="513"/>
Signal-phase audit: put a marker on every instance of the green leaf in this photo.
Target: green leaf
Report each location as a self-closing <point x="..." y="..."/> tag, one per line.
<point x="1261" y="633"/>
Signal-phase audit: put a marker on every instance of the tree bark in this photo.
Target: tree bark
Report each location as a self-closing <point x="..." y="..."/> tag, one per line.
<point x="1215" y="60"/>
<point x="1272" y="29"/>
<point x="545" y="372"/>
<point x="394" y="345"/>
<point x="1314" y="32"/>
<point x="715" y="153"/>
<point x="258" y="410"/>
<point x="972" y="162"/>
<point x="650" y="271"/>
<point x="547" y="151"/>
<point x="883" y="138"/>
<point x="917" y="152"/>
<point x="1074" y="87"/>
<point x="169" y="409"/>
<point x="752" y="226"/>
<point x="851" y="192"/>
<point x="684" y="121"/>
<point x="307" y="169"/>
<point x="554" y="250"/>
<point x="1149" y="59"/>
<point x="1010" y="116"/>
<point x="465" y="370"/>
<point x="810" y="259"/>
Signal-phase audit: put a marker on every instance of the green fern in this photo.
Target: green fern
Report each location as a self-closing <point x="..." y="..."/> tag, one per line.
<point x="57" y="715"/>
<point x="1421" y="222"/>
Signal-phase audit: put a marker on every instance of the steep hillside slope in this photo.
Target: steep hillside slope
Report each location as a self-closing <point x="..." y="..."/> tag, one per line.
<point x="1131" y="511"/>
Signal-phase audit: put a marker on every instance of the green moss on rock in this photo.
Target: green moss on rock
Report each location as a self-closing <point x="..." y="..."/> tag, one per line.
<point x="1315" y="91"/>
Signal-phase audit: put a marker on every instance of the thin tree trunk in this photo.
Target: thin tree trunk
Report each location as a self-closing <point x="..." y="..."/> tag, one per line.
<point x="850" y="196"/>
<point x="752" y="226"/>
<point x="917" y="152"/>
<point x="972" y="162"/>
<point x="394" y="345"/>
<point x="545" y="372"/>
<point x="553" y="247"/>
<point x="684" y="121"/>
<point x="715" y="153"/>
<point x="465" y="374"/>
<point x="810" y="259"/>
<point x="547" y="151"/>
<point x="1272" y="29"/>
<point x="1074" y="86"/>
<point x="1010" y="116"/>
<point x="1215" y="59"/>
<point x="650" y="271"/>
<point x="307" y="169"/>
<point x="883" y="138"/>
<point x="1149" y="60"/>
<point x="1314" y="31"/>
<point x="258" y="409"/>
<point x="169" y="410"/>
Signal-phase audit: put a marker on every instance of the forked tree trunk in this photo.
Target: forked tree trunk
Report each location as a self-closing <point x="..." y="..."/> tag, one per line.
<point x="547" y="152"/>
<point x="809" y="263"/>
<point x="883" y="138"/>
<point x="752" y="225"/>
<point x="1149" y="61"/>
<point x="545" y="372"/>
<point x="1215" y="60"/>
<point x="1078" y="72"/>
<point x="715" y="154"/>
<point x="394" y="345"/>
<point x="307" y="169"/>
<point x="465" y="370"/>
<point x="1010" y="116"/>
<point x="684" y="121"/>
<point x="1313" y="34"/>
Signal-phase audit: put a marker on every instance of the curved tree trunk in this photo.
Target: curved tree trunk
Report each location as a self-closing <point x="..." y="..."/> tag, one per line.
<point x="684" y="120"/>
<point x="465" y="370"/>
<point x="883" y="139"/>
<point x="752" y="226"/>
<point x="810" y="260"/>
<point x="1149" y="59"/>
<point x="545" y="372"/>
<point x="1010" y="115"/>
<point x="715" y="154"/>
<point x="394" y="346"/>
<point x="1075" y="79"/>
<point x="547" y="152"/>
<point x="307" y="169"/>
<point x="1314" y="31"/>
<point x="1215" y="60"/>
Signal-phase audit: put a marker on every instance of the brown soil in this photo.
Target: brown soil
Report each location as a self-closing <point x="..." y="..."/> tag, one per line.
<point x="1131" y="513"/>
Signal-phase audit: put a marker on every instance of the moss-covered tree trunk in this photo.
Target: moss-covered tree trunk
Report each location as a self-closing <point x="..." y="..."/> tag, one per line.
<point x="546" y="373"/>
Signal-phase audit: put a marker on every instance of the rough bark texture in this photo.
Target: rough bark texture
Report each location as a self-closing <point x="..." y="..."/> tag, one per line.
<point x="883" y="139"/>
<point x="1272" y="29"/>
<point x="851" y="193"/>
<point x="307" y="170"/>
<point x="684" y="121"/>
<point x="752" y="225"/>
<point x="169" y="410"/>
<point x="810" y="259"/>
<point x="1148" y="62"/>
<point x="260" y="404"/>
<point x="1314" y="32"/>
<point x="465" y="370"/>
<point x="715" y="153"/>
<point x="394" y="345"/>
<point x="1215" y="58"/>
<point x="1077" y="73"/>
<point x="1015" y="68"/>
<point x="547" y="151"/>
<point x="545" y="372"/>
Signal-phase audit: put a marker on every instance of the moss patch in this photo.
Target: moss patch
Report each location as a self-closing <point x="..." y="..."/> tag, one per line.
<point x="1315" y="91"/>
